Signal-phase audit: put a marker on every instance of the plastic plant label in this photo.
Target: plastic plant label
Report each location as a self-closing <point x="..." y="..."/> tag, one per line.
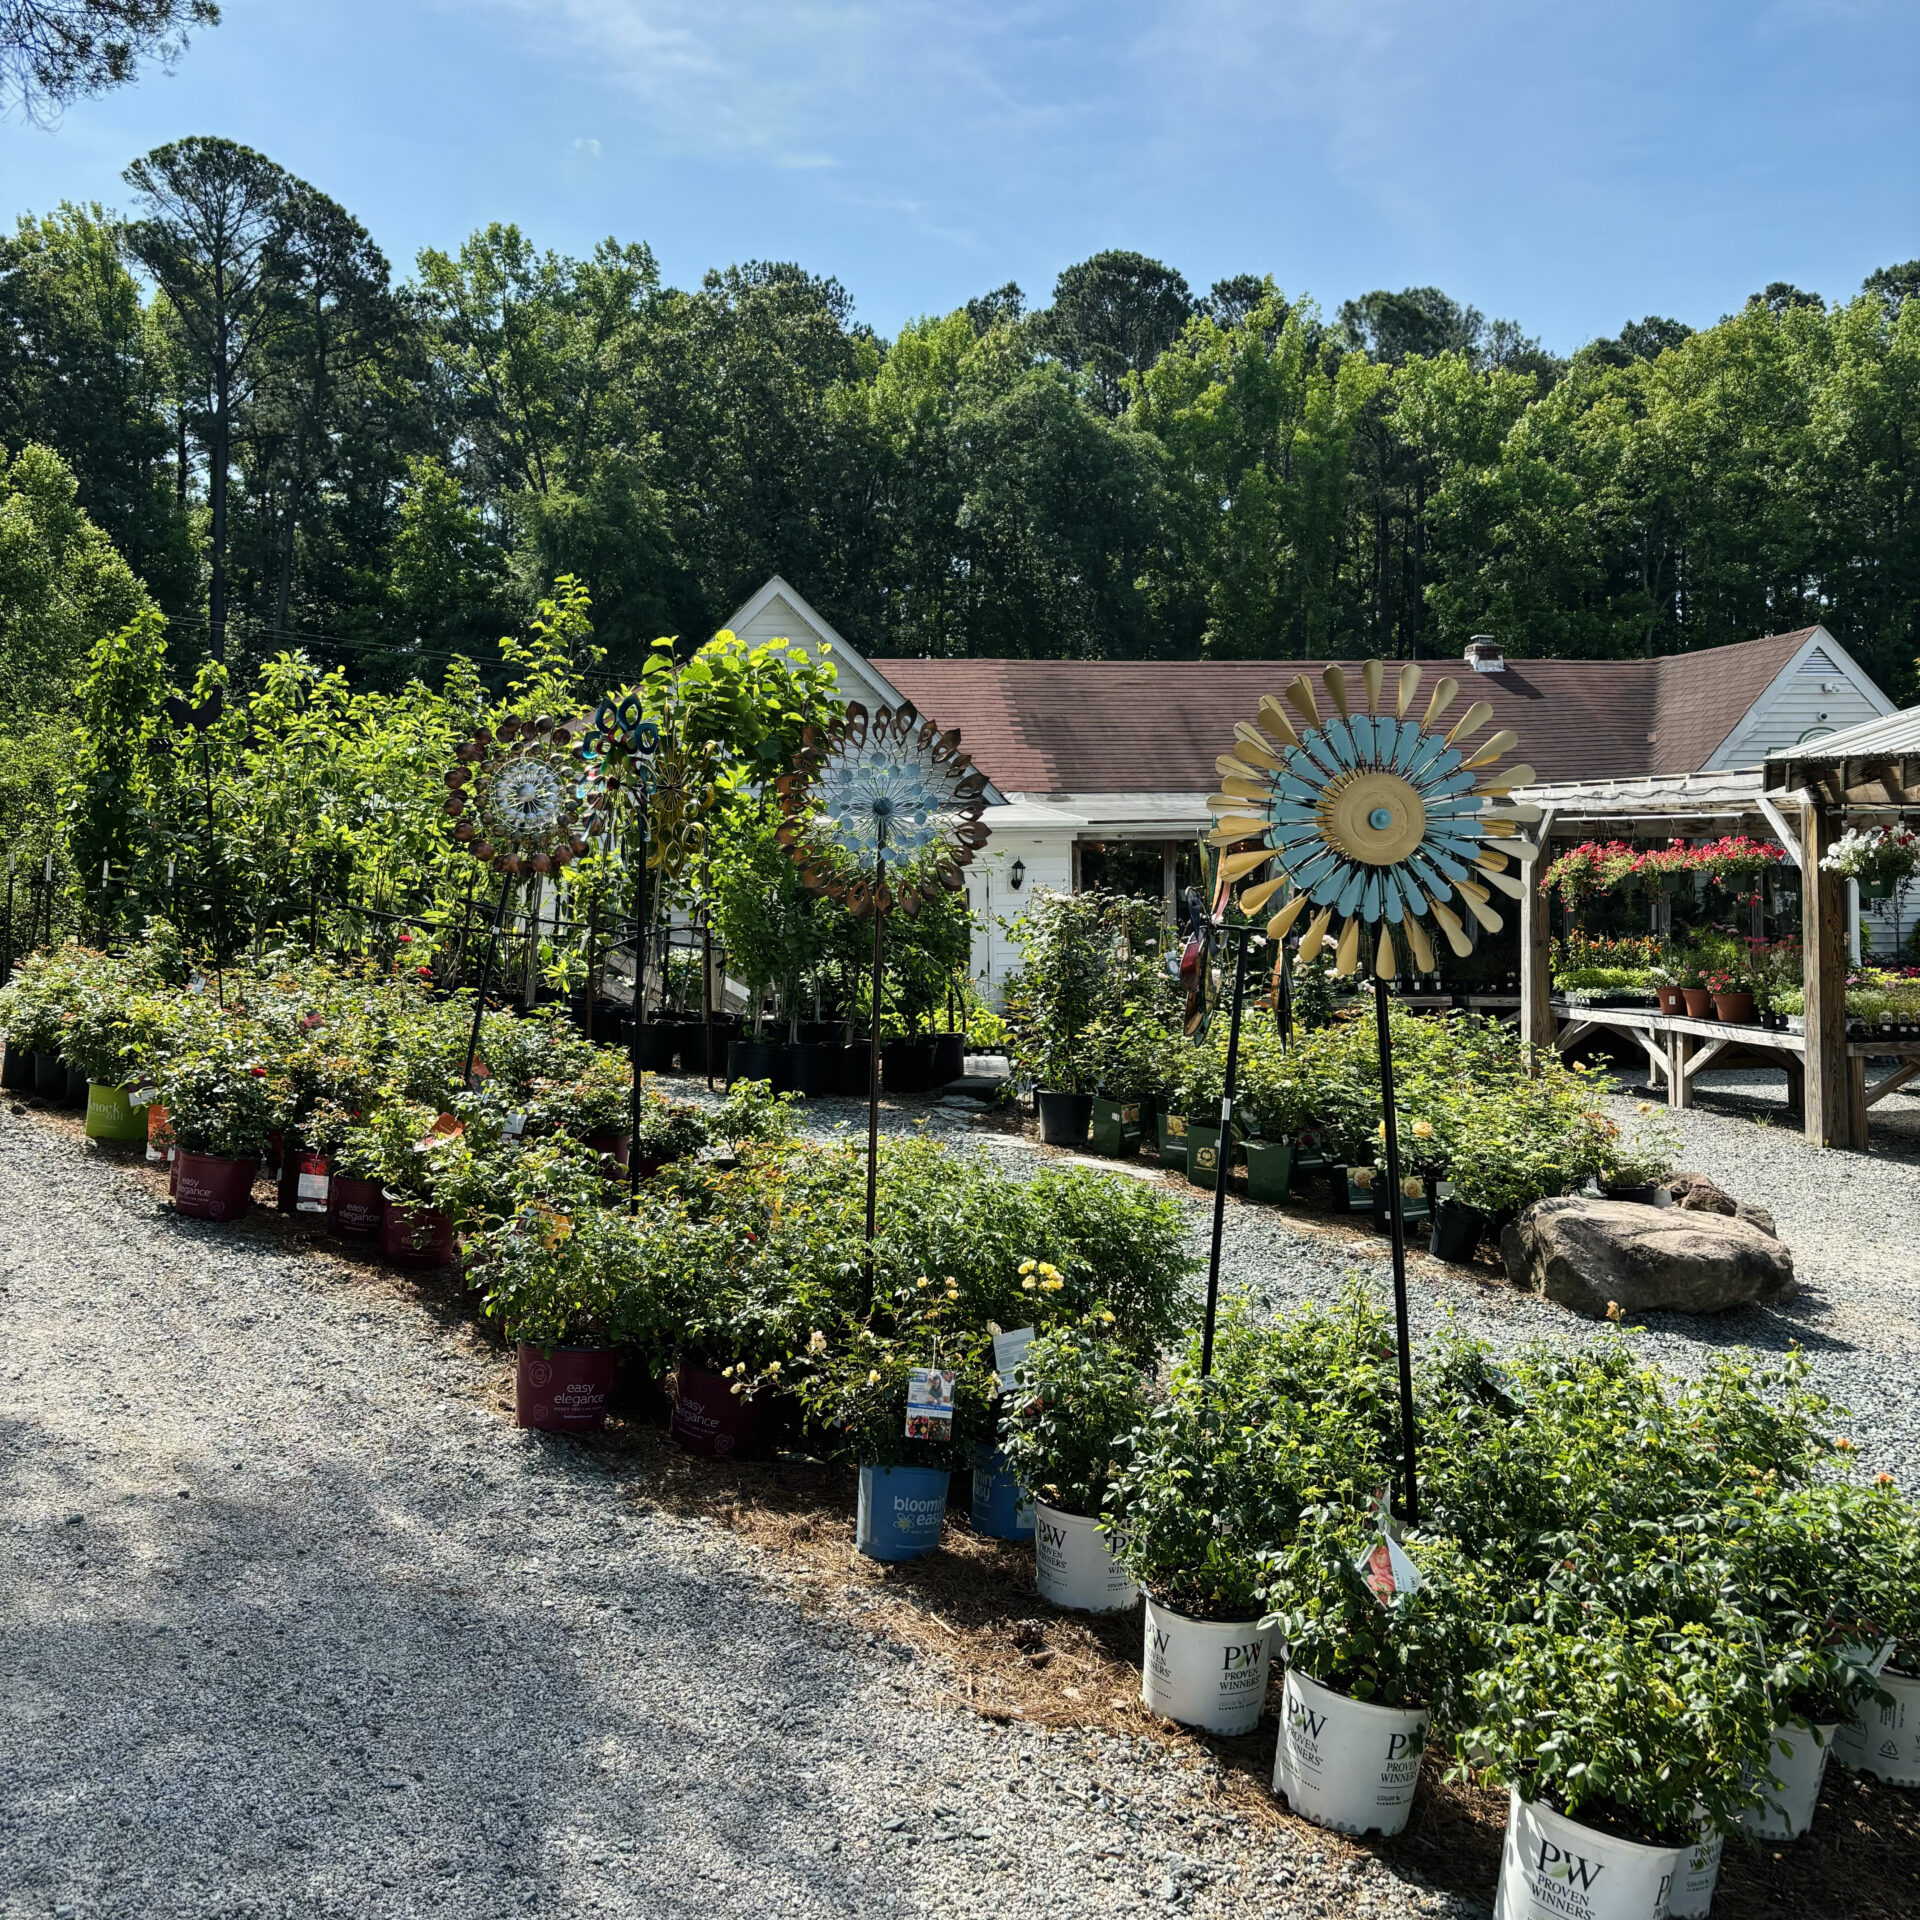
<point x="312" y="1184"/>
<point x="516" y="1125"/>
<point x="1387" y="1570"/>
<point x="929" y="1404"/>
<point x="1009" y="1349"/>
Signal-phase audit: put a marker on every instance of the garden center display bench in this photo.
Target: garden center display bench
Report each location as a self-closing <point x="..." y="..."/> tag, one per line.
<point x="1804" y="798"/>
<point x="1679" y="1048"/>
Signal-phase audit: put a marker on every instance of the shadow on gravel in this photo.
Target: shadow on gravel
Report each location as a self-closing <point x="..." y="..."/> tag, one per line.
<point x="245" y="1702"/>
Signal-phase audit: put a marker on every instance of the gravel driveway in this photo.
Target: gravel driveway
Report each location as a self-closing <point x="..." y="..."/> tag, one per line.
<point x="293" y="1622"/>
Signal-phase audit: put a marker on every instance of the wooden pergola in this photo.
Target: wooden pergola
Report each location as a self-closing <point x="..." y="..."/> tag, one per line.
<point x="1805" y="797"/>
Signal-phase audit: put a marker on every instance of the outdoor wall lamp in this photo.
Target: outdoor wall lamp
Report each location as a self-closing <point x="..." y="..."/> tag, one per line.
<point x="1016" y="873"/>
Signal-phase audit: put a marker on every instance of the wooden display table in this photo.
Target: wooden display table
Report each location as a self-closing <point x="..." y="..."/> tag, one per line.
<point x="1678" y="1048"/>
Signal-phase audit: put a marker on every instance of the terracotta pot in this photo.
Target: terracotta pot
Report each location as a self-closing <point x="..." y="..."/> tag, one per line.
<point x="1670" y="999"/>
<point x="708" y="1418"/>
<point x="1699" y="1003"/>
<point x="354" y="1208"/>
<point x="412" y="1235"/>
<point x="562" y="1389"/>
<point x="1736" y="1009"/>
<point x="206" y="1187"/>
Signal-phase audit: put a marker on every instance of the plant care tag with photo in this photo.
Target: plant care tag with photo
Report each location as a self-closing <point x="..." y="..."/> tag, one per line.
<point x="1009" y="1349"/>
<point x="929" y="1404"/>
<point x="516" y="1125"/>
<point x="1387" y="1570"/>
<point x="312" y="1183"/>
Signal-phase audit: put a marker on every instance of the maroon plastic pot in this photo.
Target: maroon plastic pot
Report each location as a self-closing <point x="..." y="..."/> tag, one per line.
<point x="415" y="1236"/>
<point x="613" y="1145"/>
<point x="354" y="1208"/>
<point x="562" y="1389"/>
<point x="206" y="1187"/>
<point x="708" y="1418"/>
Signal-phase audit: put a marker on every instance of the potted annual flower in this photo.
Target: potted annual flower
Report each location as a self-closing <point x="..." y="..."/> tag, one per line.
<point x="1732" y="989"/>
<point x="1371" y="1653"/>
<point x="1880" y="859"/>
<point x="1691" y="975"/>
<point x="1065" y="1430"/>
<point x="221" y="1103"/>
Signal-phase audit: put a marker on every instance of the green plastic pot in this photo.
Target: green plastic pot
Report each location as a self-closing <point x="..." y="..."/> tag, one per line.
<point x="1173" y="1140"/>
<point x="1204" y="1155"/>
<point x="1270" y="1171"/>
<point x="112" y="1116"/>
<point x="1116" y="1128"/>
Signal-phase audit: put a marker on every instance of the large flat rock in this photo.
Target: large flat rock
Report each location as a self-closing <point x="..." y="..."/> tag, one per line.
<point x="1592" y="1254"/>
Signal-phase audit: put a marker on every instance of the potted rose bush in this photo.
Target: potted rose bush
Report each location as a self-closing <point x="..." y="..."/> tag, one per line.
<point x="222" y="1103"/>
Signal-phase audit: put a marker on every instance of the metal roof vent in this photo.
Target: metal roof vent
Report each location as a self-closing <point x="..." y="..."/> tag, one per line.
<point x="1484" y="654"/>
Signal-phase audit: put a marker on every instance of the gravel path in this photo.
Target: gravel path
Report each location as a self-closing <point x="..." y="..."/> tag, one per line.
<point x="293" y="1622"/>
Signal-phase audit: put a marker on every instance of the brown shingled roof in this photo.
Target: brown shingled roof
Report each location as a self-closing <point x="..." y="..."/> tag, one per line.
<point x="1114" y="726"/>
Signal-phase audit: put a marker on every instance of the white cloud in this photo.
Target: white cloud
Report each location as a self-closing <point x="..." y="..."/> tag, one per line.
<point x="586" y="144"/>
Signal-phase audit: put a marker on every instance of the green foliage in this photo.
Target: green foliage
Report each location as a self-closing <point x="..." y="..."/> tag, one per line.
<point x="1068" y="1423"/>
<point x="221" y="1094"/>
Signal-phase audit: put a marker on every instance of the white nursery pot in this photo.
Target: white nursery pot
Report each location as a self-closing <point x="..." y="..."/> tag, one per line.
<point x="1798" y="1760"/>
<point x="1204" y="1673"/>
<point x="1345" y="1763"/>
<point x="1699" y="1875"/>
<point x="1885" y="1741"/>
<point x="1074" y="1567"/>
<point x="1552" y="1868"/>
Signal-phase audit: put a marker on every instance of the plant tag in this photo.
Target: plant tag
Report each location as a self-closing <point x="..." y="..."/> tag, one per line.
<point x="929" y="1404"/>
<point x="1009" y="1349"/>
<point x="516" y="1125"/>
<point x="1388" y="1571"/>
<point x="142" y="1096"/>
<point x="197" y="983"/>
<point x="311" y="1184"/>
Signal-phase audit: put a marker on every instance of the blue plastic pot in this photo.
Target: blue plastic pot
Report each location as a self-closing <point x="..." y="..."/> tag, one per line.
<point x="902" y="1510"/>
<point x="998" y="1510"/>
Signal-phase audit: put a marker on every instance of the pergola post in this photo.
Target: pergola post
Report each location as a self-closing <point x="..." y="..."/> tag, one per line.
<point x="1828" y="1103"/>
<point x="1537" y="1024"/>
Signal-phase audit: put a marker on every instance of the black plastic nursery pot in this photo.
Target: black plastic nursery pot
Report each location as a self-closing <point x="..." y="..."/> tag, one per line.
<point x="659" y="1040"/>
<point x="16" y="1070"/>
<point x="1413" y="1206"/>
<point x="906" y="1066"/>
<point x="49" y="1076"/>
<point x="1116" y="1128"/>
<point x="949" y="1058"/>
<point x="1341" y="1193"/>
<point x="852" y="1069"/>
<point x="816" y="1069"/>
<point x="754" y="1060"/>
<point x="1638" y="1196"/>
<point x="690" y="1039"/>
<point x="1457" y="1228"/>
<point x="1066" y="1119"/>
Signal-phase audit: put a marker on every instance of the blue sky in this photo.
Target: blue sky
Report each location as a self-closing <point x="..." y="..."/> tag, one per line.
<point x="1566" y="163"/>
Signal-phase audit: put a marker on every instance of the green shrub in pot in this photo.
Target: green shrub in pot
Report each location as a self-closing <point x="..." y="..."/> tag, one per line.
<point x="33" y="1002"/>
<point x="1635" y="1726"/>
<point x="419" y="1156"/>
<point x="1272" y="1096"/>
<point x="1421" y="1651"/>
<point x="1068" y="1423"/>
<point x="669" y="1129"/>
<point x="1523" y="1142"/>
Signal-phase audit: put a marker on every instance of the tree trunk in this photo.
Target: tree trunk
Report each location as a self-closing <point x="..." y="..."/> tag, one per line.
<point x="217" y="498"/>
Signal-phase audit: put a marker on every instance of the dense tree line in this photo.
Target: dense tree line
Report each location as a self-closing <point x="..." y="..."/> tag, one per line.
<point x="291" y="446"/>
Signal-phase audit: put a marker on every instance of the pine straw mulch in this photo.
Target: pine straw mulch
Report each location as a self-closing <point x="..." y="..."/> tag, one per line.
<point x="971" y="1612"/>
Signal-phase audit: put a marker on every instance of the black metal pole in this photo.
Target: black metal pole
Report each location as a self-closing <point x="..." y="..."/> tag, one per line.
<point x="206" y="775"/>
<point x="873" y="1051"/>
<point x="1396" y="1220"/>
<point x="1223" y="1154"/>
<point x="706" y="961"/>
<point x="637" y="1032"/>
<point x="486" y="979"/>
